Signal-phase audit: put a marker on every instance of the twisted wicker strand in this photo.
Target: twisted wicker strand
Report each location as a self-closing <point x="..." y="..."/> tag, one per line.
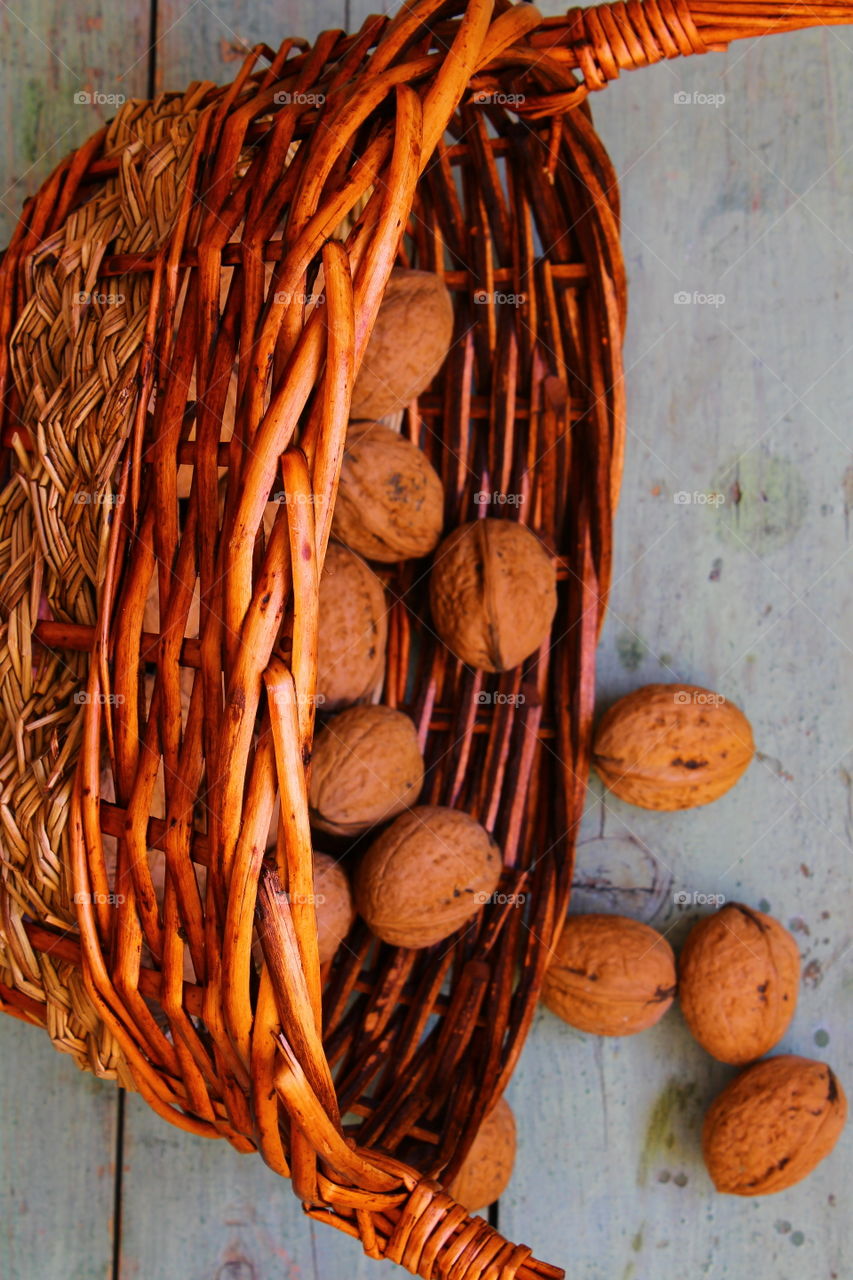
<point x="623" y="36"/>
<point x="432" y="1226"/>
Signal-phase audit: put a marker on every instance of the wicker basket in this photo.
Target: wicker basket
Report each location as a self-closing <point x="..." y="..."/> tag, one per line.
<point x="190" y="238"/>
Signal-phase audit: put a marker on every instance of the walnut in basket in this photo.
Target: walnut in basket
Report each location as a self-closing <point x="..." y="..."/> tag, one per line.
<point x="493" y="593"/>
<point x="353" y="629"/>
<point x="609" y="975"/>
<point x="408" y="345"/>
<point x="487" y="1168"/>
<point x="332" y="903"/>
<point x="390" y="500"/>
<point x="366" y="767"/>
<point x="425" y="876"/>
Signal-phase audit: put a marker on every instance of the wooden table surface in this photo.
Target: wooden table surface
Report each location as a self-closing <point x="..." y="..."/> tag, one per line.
<point x="745" y="205"/>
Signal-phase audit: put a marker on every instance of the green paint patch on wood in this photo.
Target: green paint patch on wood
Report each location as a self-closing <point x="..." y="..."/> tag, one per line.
<point x="765" y="501"/>
<point x="31" y="102"/>
<point x="674" y="1100"/>
<point x="630" y="650"/>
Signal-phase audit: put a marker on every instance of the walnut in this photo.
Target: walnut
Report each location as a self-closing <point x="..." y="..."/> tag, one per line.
<point x="390" y="500"/>
<point x="493" y="593"/>
<point x="366" y="767"/>
<point x="425" y="876"/>
<point x="672" y="746"/>
<point x="772" y="1125"/>
<point x="738" y="974"/>
<point x="487" y="1168"/>
<point x="609" y="975"/>
<point x="332" y="903"/>
<point x="408" y="345"/>
<point x="353" y="629"/>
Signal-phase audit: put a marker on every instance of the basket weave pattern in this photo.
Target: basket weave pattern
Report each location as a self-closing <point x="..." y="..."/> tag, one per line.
<point x="195" y="288"/>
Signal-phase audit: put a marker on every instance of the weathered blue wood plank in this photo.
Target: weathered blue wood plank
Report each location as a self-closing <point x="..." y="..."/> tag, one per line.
<point x="61" y="70"/>
<point x="201" y="1210"/>
<point x="57" y="1162"/>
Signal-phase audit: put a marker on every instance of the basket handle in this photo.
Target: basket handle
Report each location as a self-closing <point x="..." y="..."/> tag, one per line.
<point x="605" y="39"/>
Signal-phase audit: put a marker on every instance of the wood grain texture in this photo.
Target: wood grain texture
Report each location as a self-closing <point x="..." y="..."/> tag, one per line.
<point x="50" y="52"/>
<point x="750" y="198"/>
<point x="57" y="1162"/>
<point x="208" y="41"/>
<point x="200" y="1210"/>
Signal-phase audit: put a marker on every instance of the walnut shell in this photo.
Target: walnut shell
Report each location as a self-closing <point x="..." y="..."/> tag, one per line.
<point x="408" y="345"/>
<point x="390" y="503"/>
<point x="772" y="1125"/>
<point x="366" y="767"/>
<point x="332" y="903"/>
<point x="487" y="1168"/>
<point x="353" y="629"/>
<point x="609" y="975"/>
<point x="493" y="593"/>
<point x="425" y="876"/>
<point x="738" y="974"/>
<point x="672" y="746"/>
